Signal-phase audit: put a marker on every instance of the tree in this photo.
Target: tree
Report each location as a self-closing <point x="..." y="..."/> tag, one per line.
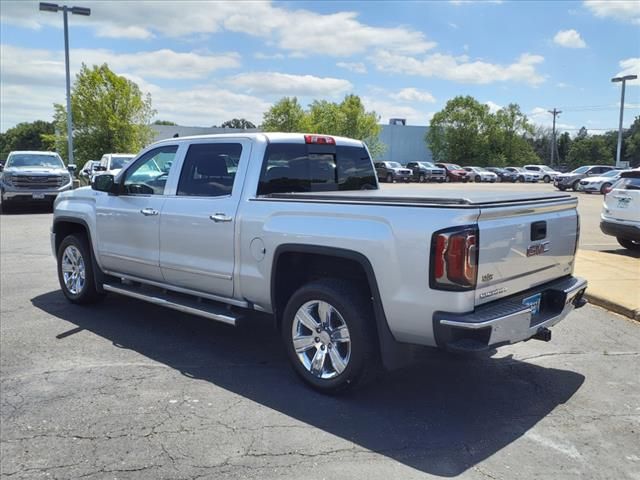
<point x="589" y="150"/>
<point x="459" y="132"/>
<point x="165" y="122"/>
<point x="507" y="131"/>
<point x="286" y="115"/>
<point x="632" y="144"/>
<point x="110" y="114"/>
<point x="240" y="123"/>
<point x="26" y="136"/>
<point x="564" y="145"/>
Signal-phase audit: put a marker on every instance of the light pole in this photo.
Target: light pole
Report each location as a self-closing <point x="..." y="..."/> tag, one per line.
<point x="52" y="7"/>
<point x="624" y="83"/>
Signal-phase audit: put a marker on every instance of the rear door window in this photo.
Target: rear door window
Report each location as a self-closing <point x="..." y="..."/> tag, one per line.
<point x="209" y="169"/>
<point x="294" y="168"/>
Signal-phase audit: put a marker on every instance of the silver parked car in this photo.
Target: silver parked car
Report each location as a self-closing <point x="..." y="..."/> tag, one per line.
<point x="601" y="183"/>
<point x="572" y="179"/>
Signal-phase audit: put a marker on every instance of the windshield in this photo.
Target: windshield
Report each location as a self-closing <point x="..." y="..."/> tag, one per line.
<point x="453" y="166"/>
<point x="547" y="168"/>
<point x="34" y="160"/>
<point x="581" y="170"/>
<point x="611" y="173"/>
<point x="427" y="165"/>
<point x="394" y="165"/>
<point x="120" y="161"/>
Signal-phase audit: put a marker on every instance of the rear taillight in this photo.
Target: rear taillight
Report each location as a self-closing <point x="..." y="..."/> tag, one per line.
<point x="454" y="259"/>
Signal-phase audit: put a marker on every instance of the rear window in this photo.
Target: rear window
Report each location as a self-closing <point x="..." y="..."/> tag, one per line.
<point x="293" y="168"/>
<point x="629" y="183"/>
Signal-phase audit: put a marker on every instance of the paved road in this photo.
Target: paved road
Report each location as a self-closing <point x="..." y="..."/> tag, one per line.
<point x="131" y="391"/>
<point x="589" y="206"/>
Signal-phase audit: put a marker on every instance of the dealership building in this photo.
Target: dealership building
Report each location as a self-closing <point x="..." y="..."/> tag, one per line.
<point x="404" y="143"/>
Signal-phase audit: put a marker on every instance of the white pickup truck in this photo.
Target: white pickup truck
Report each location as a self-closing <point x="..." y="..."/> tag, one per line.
<point x="295" y="226"/>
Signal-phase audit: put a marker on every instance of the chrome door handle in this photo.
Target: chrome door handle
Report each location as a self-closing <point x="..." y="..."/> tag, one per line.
<point x="220" y="217"/>
<point x="148" y="212"/>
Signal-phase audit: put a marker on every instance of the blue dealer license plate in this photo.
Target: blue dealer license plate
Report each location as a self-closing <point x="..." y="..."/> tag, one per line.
<point x="534" y="302"/>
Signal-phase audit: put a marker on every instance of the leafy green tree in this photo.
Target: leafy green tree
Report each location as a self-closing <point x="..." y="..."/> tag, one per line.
<point x="165" y="122"/>
<point x="632" y="144"/>
<point x="286" y="115"/>
<point x="507" y="131"/>
<point x="589" y="150"/>
<point x="564" y="145"/>
<point x="26" y="136"/>
<point x="459" y="133"/>
<point x="238" y="123"/>
<point x="110" y="114"/>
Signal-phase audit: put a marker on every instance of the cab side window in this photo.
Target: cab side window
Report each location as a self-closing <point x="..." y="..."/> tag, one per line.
<point x="209" y="169"/>
<point x="148" y="176"/>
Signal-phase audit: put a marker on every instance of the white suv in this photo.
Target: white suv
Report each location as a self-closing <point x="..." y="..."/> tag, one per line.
<point x="621" y="210"/>
<point x="545" y="171"/>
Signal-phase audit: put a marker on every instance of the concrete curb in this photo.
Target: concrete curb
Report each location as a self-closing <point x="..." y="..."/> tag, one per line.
<point x="613" y="306"/>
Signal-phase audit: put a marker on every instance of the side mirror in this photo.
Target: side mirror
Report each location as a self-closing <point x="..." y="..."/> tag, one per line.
<point x="105" y="183"/>
<point x="72" y="167"/>
<point x="99" y="168"/>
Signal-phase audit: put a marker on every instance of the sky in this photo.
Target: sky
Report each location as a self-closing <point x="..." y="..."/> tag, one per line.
<point x="207" y="62"/>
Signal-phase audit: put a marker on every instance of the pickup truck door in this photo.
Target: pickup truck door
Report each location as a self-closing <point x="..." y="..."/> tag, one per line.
<point x="198" y="223"/>
<point x="128" y="224"/>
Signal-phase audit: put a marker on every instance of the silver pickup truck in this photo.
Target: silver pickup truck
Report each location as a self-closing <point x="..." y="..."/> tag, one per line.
<point x="295" y="226"/>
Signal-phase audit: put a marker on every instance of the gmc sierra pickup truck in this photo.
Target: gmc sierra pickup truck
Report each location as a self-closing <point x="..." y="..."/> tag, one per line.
<point x="295" y="226"/>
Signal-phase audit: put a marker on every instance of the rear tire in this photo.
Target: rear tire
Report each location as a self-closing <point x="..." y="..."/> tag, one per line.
<point x="561" y="188"/>
<point x="575" y="185"/>
<point x="629" y="244"/>
<point x="421" y="178"/>
<point x="477" y="179"/>
<point x="75" y="270"/>
<point x="335" y="347"/>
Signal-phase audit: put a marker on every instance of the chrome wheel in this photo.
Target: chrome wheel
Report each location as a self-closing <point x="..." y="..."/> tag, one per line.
<point x="73" y="270"/>
<point x="321" y="339"/>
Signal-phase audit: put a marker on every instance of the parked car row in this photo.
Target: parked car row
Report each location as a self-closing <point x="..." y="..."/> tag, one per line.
<point x="620" y="216"/>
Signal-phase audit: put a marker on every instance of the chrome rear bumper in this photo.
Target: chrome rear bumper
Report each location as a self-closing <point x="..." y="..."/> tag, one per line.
<point x="508" y="320"/>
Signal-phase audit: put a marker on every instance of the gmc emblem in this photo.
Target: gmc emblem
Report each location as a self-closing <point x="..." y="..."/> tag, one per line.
<point x="538" y="249"/>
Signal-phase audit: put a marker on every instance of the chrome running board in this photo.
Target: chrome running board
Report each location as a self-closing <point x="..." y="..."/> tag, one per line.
<point x="182" y="303"/>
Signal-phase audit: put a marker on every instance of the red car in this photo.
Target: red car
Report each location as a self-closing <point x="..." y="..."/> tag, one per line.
<point x="455" y="173"/>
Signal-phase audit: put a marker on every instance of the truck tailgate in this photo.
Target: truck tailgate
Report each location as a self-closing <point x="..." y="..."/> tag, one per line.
<point x="521" y="247"/>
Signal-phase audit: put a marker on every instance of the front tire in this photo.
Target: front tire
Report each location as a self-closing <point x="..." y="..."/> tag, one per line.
<point x="329" y="336"/>
<point x="575" y="185"/>
<point x="546" y="179"/>
<point x="389" y="178"/>
<point x="447" y="179"/>
<point x="629" y="244"/>
<point x="421" y="178"/>
<point x="75" y="270"/>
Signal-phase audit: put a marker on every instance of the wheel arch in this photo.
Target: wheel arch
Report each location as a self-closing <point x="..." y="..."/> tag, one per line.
<point x="333" y="262"/>
<point x="64" y="226"/>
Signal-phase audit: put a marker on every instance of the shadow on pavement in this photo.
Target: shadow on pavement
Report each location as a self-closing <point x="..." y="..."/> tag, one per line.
<point x="624" y="252"/>
<point x="442" y="416"/>
<point x="26" y="209"/>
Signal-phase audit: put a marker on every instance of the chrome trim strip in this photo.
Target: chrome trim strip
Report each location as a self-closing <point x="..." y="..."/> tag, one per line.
<point x="196" y="271"/>
<point x="175" y="306"/>
<point x="195" y="293"/>
<point x="128" y="259"/>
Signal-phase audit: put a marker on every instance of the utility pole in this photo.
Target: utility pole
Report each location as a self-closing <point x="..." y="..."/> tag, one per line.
<point x="624" y="82"/>
<point x="555" y="113"/>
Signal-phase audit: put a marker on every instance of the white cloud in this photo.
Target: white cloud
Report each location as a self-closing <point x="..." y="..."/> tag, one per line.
<point x="630" y="66"/>
<point x="541" y="116"/>
<point x="274" y="83"/>
<point x="268" y="56"/>
<point x="357" y="67"/>
<point x="622" y="10"/>
<point x="33" y="80"/>
<point x="460" y="69"/>
<point x="493" y="107"/>
<point x="413" y="95"/>
<point x="386" y="110"/>
<point x="338" y="34"/>
<point x="569" y="39"/>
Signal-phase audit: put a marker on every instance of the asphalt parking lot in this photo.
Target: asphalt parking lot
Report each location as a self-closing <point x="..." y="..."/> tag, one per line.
<point x="129" y="390"/>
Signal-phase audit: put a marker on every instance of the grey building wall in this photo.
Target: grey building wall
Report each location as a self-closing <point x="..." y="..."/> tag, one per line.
<point x="404" y="143"/>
